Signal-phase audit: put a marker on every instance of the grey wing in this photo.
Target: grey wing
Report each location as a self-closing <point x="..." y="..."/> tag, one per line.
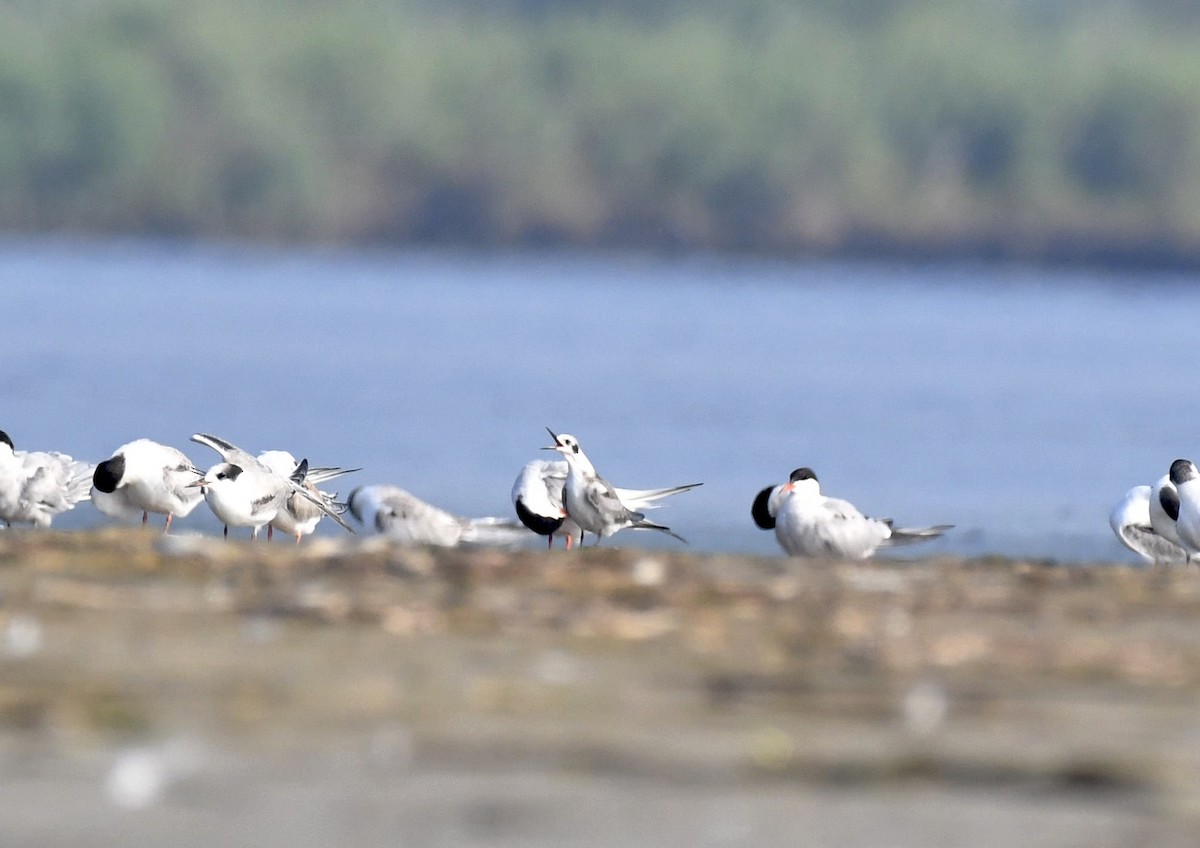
<point x="44" y="488"/>
<point x="1144" y="542"/>
<point x="603" y="498"/>
<point x="303" y="509"/>
<point x="539" y="487"/>
<point x="648" y="498"/>
<point x="843" y="510"/>
<point x="57" y="481"/>
<point x="321" y="503"/>
<point x="228" y="451"/>
<point x="847" y="532"/>
<point x="316" y="476"/>
<point x="555" y="478"/>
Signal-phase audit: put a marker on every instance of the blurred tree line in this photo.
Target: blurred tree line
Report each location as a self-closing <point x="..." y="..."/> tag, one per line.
<point x="1022" y="128"/>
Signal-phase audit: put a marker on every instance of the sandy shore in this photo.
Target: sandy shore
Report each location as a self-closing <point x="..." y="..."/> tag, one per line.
<point x="187" y="691"/>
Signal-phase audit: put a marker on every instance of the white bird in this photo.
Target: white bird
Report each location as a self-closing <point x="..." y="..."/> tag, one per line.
<point x="591" y="502"/>
<point x="144" y="476"/>
<point x="298" y="516"/>
<point x="243" y="492"/>
<point x="1130" y="519"/>
<point x="409" y="520"/>
<point x="1187" y="484"/>
<point x="35" y="486"/>
<point x="808" y="524"/>
<point x="537" y="496"/>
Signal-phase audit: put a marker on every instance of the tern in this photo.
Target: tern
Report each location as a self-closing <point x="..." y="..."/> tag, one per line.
<point x="591" y="502"/>
<point x="537" y="496"/>
<point x="298" y="516"/>
<point x="808" y="524"/>
<point x="144" y="476"/>
<point x="243" y="492"/>
<point x="407" y="519"/>
<point x="35" y="486"/>
<point x="1131" y="521"/>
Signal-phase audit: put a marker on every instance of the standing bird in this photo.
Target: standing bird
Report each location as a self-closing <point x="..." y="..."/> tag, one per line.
<point x="808" y="524"/>
<point x="591" y="502"/>
<point x="1130" y="519"/>
<point x="35" y="486"/>
<point x="409" y="520"/>
<point x="299" y="516"/>
<point x="243" y="492"/>
<point x="1186" y="480"/>
<point x="537" y="496"/>
<point x="144" y="477"/>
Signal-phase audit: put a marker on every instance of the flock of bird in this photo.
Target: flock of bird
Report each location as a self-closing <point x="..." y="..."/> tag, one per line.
<point x="1161" y="523"/>
<point x="564" y="499"/>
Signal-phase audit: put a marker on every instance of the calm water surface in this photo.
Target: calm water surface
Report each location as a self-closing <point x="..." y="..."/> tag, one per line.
<point x="1017" y="404"/>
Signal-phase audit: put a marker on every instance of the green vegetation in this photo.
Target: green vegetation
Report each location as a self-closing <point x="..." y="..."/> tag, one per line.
<point x="1010" y="127"/>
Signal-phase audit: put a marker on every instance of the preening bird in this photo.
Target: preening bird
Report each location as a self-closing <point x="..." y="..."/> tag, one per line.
<point x="36" y="486"/>
<point x="243" y="492"/>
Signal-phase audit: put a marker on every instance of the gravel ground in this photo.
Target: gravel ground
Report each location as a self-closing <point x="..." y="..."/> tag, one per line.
<point x="187" y="691"/>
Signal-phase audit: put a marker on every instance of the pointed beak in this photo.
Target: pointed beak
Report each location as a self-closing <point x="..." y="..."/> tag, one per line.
<point x="199" y="484"/>
<point x="554" y="437"/>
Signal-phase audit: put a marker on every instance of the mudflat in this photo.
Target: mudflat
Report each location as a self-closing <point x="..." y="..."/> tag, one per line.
<point x="187" y="691"/>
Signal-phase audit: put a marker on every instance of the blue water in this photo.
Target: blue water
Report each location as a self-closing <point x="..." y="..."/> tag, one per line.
<point x="1016" y="403"/>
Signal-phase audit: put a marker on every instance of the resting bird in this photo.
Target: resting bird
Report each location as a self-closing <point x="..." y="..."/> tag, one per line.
<point x="409" y="520"/>
<point x="144" y="477"/>
<point x="1130" y="519"/>
<point x="808" y="524"/>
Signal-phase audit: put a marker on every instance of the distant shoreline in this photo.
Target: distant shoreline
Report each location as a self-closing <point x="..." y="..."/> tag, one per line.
<point x="1065" y="252"/>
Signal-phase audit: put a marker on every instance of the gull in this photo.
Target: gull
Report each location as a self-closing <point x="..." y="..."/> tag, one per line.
<point x="243" y="492"/>
<point x="1131" y="520"/>
<point x="298" y="516"/>
<point x="591" y="502"/>
<point x="808" y="524"/>
<point x="144" y="476"/>
<point x="35" y="486"/>
<point x="409" y="520"/>
<point x="537" y="496"/>
<point x="1186" y="480"/>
